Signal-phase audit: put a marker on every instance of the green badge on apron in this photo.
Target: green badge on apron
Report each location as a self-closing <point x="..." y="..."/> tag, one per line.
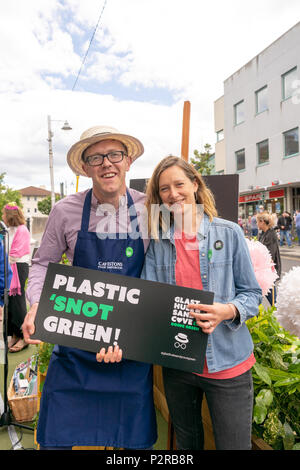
<point x="129" y="251"/>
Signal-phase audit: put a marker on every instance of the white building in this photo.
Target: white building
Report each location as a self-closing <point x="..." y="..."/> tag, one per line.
<point x="31" y="195"/>
<point x="257" y="124"/>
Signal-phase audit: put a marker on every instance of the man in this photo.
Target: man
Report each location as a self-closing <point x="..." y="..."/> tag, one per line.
<point x="85" y="402"/>
<point x="297" y="223"/>
<point x="254" y="229"/>
<point x="285" y="225"/>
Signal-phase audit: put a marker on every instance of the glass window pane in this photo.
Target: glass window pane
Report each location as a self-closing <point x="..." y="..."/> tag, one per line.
<point x="239" y="112"/>
<point x="262" y="100"/>
<point x="263" y="152"/>
<point x="240" y="160"/>
<point x="287" y="83"/>
<point x="220" y="135"/>
<point x="291" y="142"/>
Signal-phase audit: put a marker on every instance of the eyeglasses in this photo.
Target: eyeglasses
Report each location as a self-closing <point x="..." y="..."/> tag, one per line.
<point x="114" y="157"/>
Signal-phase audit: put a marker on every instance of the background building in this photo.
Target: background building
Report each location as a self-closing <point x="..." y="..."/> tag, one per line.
<point x="257" y="124"/>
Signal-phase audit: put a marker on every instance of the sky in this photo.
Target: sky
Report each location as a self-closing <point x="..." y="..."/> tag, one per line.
<point x="146" y="58"/>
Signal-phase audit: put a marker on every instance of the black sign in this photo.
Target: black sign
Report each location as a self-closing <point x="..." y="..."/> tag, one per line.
<point x="225" y="189"/>
<point x="88" y="309"/>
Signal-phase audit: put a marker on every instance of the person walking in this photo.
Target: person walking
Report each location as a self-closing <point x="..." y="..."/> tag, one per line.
<point x="268" y="237"/>
<point x="89" y="399"/>
<point x="2" y="277"/>
<point x="201" y="251"/>
<point x="19" y="258"/>
<point x="254" y="229"/>
<point x="284" y="225"/>
<point x="297" y="224"/>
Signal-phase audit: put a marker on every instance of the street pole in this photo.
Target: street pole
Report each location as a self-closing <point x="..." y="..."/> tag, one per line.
<point x="66" y="127"/>
<point x="50" y="135"/>
<point x="185" y="131"/>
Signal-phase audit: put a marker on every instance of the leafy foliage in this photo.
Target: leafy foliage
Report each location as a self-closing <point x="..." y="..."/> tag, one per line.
<point x="201" y="160"/>
<point x="44" y="206"/>
<point x="8" y="195"/>
<point x="276" y="377"/>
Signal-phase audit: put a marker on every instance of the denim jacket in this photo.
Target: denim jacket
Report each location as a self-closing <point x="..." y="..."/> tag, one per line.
<point x="226" y="269"/>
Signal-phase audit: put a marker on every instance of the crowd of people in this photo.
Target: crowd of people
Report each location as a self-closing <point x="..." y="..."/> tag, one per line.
<point x="104" y="399"/>
<point x="286" y="226"/>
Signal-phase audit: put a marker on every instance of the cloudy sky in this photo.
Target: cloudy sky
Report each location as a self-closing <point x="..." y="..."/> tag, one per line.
<point x="147" y="57"/>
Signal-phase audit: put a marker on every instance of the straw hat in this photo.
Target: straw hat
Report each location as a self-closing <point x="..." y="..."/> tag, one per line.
<point x="97" y="134"/>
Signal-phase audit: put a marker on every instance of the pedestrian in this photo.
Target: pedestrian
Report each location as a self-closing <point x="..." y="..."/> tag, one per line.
<point x="201" y="251"/>
<point x="254" y="229"/>
<point x="297" y="224"/>
<point x="285" y="225"/>
<point x="86" y="402"/>
<point x="2" y="278"/>
<point x="268" y="237"/>
<point x="19" y="258"/>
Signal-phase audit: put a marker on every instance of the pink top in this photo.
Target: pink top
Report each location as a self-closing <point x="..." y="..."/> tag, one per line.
<point x="187" y="273"/>
<point x="62" y="227"/>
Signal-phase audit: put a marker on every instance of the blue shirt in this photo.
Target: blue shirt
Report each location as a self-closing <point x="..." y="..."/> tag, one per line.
<point x="226" y="269"/>
<point x="9" y="275"/>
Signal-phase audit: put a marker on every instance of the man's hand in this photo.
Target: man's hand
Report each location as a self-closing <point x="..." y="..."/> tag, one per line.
<point x="28" y="327"/>
<point x="112" y="355"/>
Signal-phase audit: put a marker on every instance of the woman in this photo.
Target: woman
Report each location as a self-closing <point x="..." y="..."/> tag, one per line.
<point x="2" y="278"/>
<point x="268" y="237"/>
<point x="19" y="257"/>
<point x="199" y="250"/>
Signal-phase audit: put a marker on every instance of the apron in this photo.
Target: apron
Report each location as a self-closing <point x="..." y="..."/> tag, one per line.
<point x="87" y="403"/>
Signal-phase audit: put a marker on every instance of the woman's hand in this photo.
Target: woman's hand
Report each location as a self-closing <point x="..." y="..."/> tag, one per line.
<point x="213" y="315"/>
<point x="112" y="355"/>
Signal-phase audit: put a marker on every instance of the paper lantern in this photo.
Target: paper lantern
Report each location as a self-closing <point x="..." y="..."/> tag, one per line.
<point x="263" y="265"/>
<point x="288" y="301"/>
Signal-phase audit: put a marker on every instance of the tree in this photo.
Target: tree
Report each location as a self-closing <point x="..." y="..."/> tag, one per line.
<point x="201" y="161"/>
<point x="8" y="195"/>
<point x="44" y="206"/>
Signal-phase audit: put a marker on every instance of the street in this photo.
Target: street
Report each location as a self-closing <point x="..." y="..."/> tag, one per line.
<point x="288" y="263"/>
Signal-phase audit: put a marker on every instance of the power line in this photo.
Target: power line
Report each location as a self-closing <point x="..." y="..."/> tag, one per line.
<point x="91" y="40"/>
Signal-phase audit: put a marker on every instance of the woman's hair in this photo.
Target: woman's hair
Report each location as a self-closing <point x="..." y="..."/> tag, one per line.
<point x="203" y="195"/>
<point x="267" y="218"/>
<point x="14" y="215"/>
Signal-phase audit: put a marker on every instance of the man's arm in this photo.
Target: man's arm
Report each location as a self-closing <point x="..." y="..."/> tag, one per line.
<point x="53" y="245"/>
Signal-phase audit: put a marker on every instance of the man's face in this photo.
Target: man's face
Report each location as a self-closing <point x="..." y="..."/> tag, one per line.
<point x="108" y="178"/>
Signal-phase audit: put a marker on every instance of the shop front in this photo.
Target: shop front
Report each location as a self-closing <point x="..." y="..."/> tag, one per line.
<point x="269" y="200"/>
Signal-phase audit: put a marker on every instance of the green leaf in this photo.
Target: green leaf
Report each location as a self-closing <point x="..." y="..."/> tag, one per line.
<point x="296" y="446"/>
<point x="262" y="373"/>
<point x="259" y="413"/>
<point x="264" y="397"/>
<point x="289" y="437"/>
<point x="277" y="361"/>
<point x="286" y="382"/>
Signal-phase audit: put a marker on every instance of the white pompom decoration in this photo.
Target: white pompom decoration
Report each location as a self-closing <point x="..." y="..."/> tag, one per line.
<point x="263" y="265"/>
<point x="288" y="301"/>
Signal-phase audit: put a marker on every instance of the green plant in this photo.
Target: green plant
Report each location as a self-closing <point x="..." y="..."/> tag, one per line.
<point x="44" y="354"/>
<point x="276" y="377"/>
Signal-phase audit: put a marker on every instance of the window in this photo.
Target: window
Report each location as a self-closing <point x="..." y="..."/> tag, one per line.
<point x="220" y="135"/>
<point x="240" y="160"/>
<point x="287" y="83"/>
<point x="263" y="152"/>
<point x="239" y="113"/>
<point x="28" y="198"/>
<point x="291" y="142"/>
<point x="261" y="100"/>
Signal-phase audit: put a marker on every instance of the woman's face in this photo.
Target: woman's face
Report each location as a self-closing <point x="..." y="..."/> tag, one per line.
<point x="261" y="225"/>
<point x="175" y="188"/>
